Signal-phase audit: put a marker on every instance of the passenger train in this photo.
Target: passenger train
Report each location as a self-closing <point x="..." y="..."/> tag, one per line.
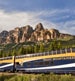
<point x="59" y="61"/>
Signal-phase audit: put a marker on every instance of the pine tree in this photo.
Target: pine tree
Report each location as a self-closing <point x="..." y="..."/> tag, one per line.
<point x="41" y="48"/>
<point x="35" y="48"/>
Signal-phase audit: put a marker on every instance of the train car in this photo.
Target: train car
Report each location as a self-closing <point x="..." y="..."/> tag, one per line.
<point x="58" y="63"/>
<point x="6" y="66"/>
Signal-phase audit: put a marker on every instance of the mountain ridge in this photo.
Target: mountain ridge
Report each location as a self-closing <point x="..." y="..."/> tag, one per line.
<point x="27" y="33"/>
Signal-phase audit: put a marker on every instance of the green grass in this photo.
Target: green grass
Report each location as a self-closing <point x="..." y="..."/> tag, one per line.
<point x="38" y="77"/>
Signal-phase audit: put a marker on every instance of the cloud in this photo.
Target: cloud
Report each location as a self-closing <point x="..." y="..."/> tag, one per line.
<point x="14" y="19"/>
<point x="67" y="27"/>
<point x="49" y="19"/>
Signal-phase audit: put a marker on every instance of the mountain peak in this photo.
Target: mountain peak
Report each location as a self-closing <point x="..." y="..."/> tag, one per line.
<point x="39" y="27"/>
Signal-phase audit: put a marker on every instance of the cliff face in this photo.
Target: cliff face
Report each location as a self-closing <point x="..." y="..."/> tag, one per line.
<point x="26" y="33"/>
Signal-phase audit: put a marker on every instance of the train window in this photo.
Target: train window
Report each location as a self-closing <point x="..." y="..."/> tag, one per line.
<point x="36" y="63"/>
<point x="49" y="53"/>
<point x="39" y="54"/>
<point x="46" y="53"/>
<point x="33" y="55"/>
<point x="52" y="62"/>
<point x="70" y="57"/>
<point x="28" y="64"/>
<point x="63" y="51"/>
<point x="41" y="63"/>
<point x="43" y="53"/>
<point x="58" y="52"/>
<point x="73" y="49"/>
<point x="68" y="50"/>
<point x="46" y="63"/>
<point x="73" y="57"/>
<point x="53" y="52"/>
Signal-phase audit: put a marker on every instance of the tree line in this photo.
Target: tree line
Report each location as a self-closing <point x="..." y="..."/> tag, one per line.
<point x="36" y="48"/>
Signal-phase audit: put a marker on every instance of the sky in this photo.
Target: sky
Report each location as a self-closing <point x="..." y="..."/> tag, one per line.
<point x="58" y="14"/>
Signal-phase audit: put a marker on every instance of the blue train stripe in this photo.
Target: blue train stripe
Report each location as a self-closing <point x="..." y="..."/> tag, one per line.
<point x="52" y="67"/>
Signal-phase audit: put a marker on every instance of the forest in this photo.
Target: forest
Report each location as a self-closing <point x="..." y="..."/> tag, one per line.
<point x="31" y="47"/>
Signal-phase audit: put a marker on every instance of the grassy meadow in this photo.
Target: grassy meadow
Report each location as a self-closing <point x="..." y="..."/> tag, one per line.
<point x="36" y="77"/>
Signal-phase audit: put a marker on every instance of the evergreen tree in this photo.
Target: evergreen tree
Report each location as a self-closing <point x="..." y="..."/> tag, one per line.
<point x="41" y="48"/>
<point x="59" y="45"/>
<point x="35" y="48"/>
<point x="13" y="52"/>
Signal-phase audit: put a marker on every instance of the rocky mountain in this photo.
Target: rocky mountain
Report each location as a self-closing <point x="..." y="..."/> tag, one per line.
<point x="27" y="33"/>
